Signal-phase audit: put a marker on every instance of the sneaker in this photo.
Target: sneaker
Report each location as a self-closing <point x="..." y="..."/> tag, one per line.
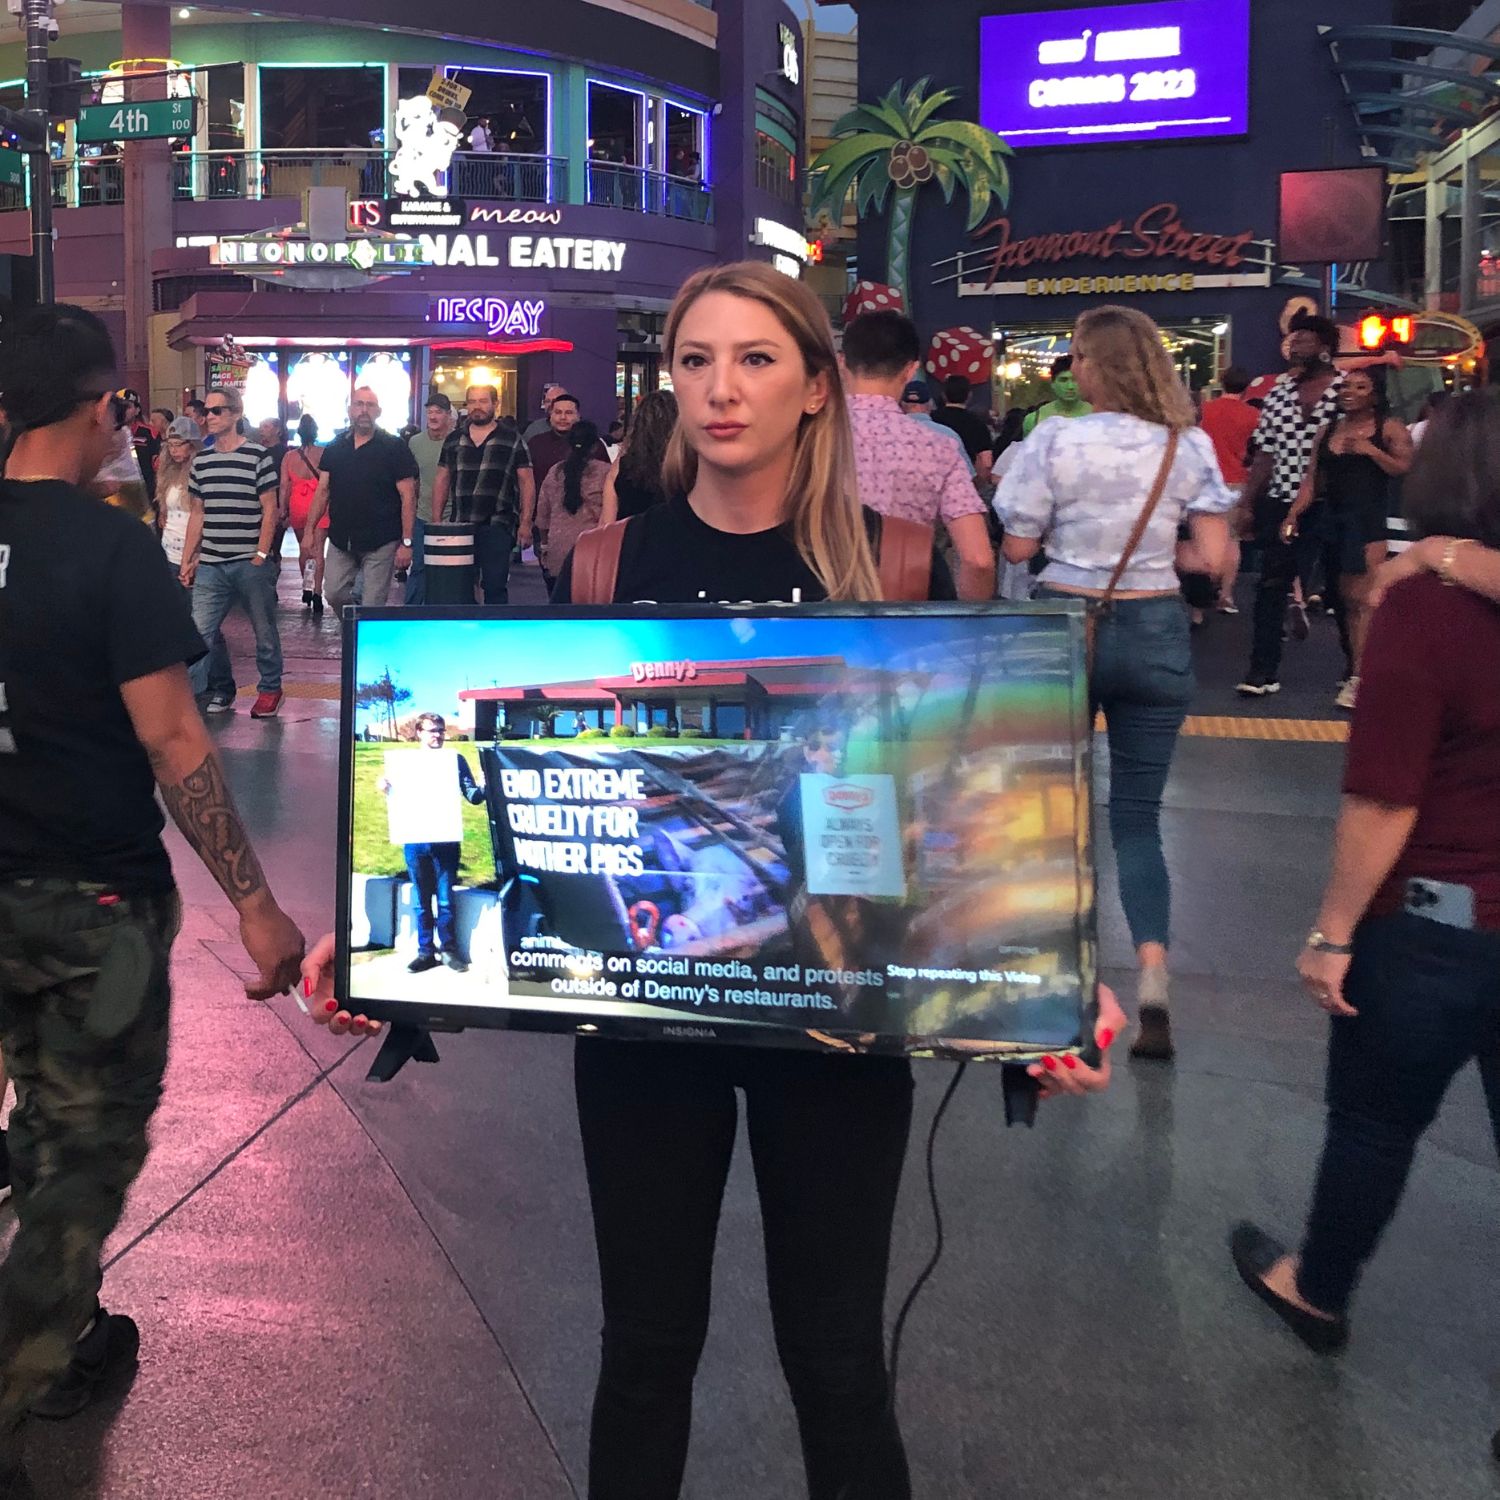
<point x="220" y="703"/>
<point x="1348" y="692"/>
<point x="422" y="963"/>
<point x="457" y="964"/>
<point x="1227" y="607"/>
<point x="112" y="1343"/>
<point x="1258" y="685"/>
<point x="4" y="1168"/>
<point x="1297" y="621"/>
<point x="266" y="706"/>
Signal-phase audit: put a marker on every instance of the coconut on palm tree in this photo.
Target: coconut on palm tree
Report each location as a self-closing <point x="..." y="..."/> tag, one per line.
<point x="897" y="142"/>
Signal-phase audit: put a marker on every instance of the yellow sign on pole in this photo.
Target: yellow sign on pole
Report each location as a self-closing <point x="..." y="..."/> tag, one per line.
<point x="447" y="93"/>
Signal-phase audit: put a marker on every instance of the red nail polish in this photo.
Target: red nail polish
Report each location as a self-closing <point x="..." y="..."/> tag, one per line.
<point x="1105" y="1038"/>
<point x="1070" y="1061"/>
<point x="332" y="1005"/>
<point x="1050" y="1063"/>
<point x="109" y="901"/>
<point x="307" y="989"/>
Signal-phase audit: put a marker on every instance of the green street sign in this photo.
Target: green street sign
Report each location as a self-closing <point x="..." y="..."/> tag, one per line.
<point x="12" y="168"/>
<point x="153" y="119"/>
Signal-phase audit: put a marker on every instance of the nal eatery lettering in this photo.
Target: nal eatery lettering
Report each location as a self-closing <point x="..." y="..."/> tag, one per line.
<point x="1157" y="234"/>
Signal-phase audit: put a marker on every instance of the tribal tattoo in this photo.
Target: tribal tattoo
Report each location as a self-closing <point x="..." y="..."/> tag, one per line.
<point x="202" y="808"/>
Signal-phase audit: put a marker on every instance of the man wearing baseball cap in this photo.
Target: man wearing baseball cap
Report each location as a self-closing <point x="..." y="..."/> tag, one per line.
<point x="916" y="401"/>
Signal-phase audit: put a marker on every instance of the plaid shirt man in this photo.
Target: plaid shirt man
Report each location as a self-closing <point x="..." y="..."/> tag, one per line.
<point x="483" y="488"/>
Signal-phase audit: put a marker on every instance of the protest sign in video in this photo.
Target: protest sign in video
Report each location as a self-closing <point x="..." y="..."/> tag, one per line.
<point x="862" y="831"/>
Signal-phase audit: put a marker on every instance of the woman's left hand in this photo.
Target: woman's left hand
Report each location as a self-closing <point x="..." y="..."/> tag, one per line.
<point x="1071" y="1075"/>
<point x="1323" y="977"/>
<point x="317" y="986"/>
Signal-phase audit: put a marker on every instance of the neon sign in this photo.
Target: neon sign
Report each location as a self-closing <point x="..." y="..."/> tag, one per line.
<point x="518" y="319"/>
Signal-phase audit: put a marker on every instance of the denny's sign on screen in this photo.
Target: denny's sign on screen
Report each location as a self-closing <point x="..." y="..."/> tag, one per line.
<point x="859" y="830"/>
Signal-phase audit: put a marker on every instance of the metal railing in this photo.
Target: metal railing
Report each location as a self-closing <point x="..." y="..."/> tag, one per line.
<point x="614" y="185"/>
<point x="484" y="177"/>
<point x="771" y="176"/>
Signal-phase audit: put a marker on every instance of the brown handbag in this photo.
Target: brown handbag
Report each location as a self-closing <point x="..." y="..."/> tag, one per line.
<point x="905" y="561"/>
<point x="1098" y="608"/>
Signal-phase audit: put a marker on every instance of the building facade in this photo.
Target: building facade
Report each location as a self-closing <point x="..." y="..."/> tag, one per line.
<point x="1181" y="224"/>
<point x="624" y="146"/>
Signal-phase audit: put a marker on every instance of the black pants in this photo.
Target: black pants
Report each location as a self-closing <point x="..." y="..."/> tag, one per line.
<point x="828" y="1138"/>
<point x="1281" y="565"/>
<point x="1428" y="998"/>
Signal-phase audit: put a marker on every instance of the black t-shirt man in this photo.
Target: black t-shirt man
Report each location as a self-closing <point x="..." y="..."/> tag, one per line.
<point x="970" y="426"/>
<point x="671" y="556"/>
<point x="364" y="505"/>
<point x="88" y="602"/>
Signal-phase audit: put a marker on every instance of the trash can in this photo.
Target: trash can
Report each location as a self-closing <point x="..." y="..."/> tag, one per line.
<point x="448" y="557"/>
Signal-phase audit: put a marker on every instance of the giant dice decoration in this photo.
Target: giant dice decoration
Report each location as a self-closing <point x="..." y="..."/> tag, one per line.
<point x="961" y="351"/>
<point x="872" y="296"/>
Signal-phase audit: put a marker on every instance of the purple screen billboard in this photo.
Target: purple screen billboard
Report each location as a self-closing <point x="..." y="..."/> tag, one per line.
<point x="1163" y="71"/>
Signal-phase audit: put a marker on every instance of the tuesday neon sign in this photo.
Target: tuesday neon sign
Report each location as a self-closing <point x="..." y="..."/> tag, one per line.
<point x="518" y="319"/>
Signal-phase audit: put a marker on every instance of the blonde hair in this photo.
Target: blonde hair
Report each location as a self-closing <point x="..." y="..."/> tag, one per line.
<point x="1129" y="368"/>
<point x="822" y="502"/>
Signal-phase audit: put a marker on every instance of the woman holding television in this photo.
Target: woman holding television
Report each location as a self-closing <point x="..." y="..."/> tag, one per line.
<point x="762" y="507"/>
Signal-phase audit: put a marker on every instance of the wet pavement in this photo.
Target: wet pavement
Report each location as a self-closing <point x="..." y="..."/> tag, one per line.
<point x="354" y="1289"/>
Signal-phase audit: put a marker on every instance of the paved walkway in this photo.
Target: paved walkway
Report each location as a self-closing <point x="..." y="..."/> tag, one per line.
<point x="357" y="1290"/>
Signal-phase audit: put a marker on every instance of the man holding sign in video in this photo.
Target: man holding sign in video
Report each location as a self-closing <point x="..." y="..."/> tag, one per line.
<point x="426" y="794"/>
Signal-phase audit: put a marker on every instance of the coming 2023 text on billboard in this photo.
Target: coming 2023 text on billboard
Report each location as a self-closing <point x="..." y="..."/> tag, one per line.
<point x="1161" y="71"/>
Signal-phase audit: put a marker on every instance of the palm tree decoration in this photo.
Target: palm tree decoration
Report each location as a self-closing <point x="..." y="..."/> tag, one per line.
<point x="897" y="143"/>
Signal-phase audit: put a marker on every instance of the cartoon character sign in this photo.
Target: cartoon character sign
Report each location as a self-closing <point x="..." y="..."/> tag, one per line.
<point x="426" y="139"/>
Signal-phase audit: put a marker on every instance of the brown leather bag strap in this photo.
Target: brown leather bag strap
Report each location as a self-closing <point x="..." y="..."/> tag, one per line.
<point x="596" y="564"/>
<point x="1143" y="520"/>
<point x="905" y="560"/>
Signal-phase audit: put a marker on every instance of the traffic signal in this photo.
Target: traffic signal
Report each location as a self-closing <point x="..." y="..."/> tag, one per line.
<point x="65" y="87"/>
<point x="23" y="130"/>
<point x="1377" y="333"/>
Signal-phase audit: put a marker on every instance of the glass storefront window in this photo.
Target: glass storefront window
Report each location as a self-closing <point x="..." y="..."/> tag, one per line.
<point x="321" y="108"/>
<point x="226" y="109"/>
<point x="616" y="120"/>
<point x="455" y="370"/>
<point x="388" y="374"/>
<point x="775" y="167"/>
<point x="684" y="156"/>
<point x="516" y="105"/>
<point x="318" y="383"/>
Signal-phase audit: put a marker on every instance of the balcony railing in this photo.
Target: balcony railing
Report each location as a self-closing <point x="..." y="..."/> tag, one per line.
<point x="614" y="185"/>
<point x="772" y="177"/>
<point x="499" y="177"/>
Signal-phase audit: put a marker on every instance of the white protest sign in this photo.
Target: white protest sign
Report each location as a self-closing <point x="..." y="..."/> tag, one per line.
<point x="851" y="831"/>
<point x="424" y="804"/>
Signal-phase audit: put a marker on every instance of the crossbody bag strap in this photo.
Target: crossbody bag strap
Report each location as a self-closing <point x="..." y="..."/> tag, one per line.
<point x="1143" y="520"/>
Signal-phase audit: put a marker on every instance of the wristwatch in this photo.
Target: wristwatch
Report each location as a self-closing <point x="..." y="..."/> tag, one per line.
<point x="1450" y="556"/>
<point x="261" y="555"/>
<point x="406" y="541"/>
<point x="1320" y="944"/>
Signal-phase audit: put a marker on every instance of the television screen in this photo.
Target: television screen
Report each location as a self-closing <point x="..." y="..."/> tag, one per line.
<point x="1167" y="70"/>
<point x="853" y="827"/>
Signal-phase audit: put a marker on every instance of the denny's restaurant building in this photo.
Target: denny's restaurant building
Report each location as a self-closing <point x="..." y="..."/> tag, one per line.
<point x="753" y="700"/>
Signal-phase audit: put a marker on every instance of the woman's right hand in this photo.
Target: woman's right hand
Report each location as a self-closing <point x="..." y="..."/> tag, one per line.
<point x="187" y="572"/>
<point x="1289" y="529"/>
<point x="317" y="987"/>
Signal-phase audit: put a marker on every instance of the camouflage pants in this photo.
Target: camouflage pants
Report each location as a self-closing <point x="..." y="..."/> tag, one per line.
<point x="84" y="1002"/>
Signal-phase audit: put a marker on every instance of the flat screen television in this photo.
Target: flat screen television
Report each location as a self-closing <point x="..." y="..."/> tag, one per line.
<point x="848" y="827"/>
<point x="1168" y="70"/>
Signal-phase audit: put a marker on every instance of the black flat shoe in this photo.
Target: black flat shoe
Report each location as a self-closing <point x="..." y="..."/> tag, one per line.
<point x="1255" y="1252"/>
<point x="1153" y="1042"/>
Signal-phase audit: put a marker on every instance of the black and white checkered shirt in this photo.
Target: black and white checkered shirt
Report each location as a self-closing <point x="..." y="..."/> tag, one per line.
<point x="1290" y="434"/>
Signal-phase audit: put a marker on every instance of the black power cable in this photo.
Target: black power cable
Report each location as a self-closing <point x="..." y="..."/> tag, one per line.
<point x="937" y="1226"/>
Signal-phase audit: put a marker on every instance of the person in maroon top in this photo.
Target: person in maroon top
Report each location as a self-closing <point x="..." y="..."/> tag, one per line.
<point x="1405" y="950"/>
<point x="553" y="446"/>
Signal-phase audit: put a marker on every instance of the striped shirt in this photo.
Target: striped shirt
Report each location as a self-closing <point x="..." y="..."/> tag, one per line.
<point x="230" y="486"/>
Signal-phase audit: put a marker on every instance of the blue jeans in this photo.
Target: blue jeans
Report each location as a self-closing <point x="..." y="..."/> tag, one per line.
<point x="217" y="587"/>
<point x="493" y="546"/>
<point x="1143" y="680"/>
<point x="416" y="575"/>
<point x="1428" y="998"/>
<point x="434" y="872"/>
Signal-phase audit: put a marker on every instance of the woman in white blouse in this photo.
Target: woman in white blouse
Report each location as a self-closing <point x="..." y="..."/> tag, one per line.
<point x="1082" y="486"/>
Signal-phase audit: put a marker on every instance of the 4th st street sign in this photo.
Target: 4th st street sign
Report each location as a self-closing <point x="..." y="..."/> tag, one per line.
<point x="154" y="119"/>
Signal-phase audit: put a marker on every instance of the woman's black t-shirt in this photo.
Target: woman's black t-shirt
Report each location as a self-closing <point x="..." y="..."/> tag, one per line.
<point x="634" y="499"/>
<point x="671" y="556"/>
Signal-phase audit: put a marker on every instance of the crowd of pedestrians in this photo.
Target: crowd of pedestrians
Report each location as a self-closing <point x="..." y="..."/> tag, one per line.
<point x="778" y="468"/>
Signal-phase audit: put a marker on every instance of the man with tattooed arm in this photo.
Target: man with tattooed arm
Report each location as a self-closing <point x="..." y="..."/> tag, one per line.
<point x="95" y="715"/>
